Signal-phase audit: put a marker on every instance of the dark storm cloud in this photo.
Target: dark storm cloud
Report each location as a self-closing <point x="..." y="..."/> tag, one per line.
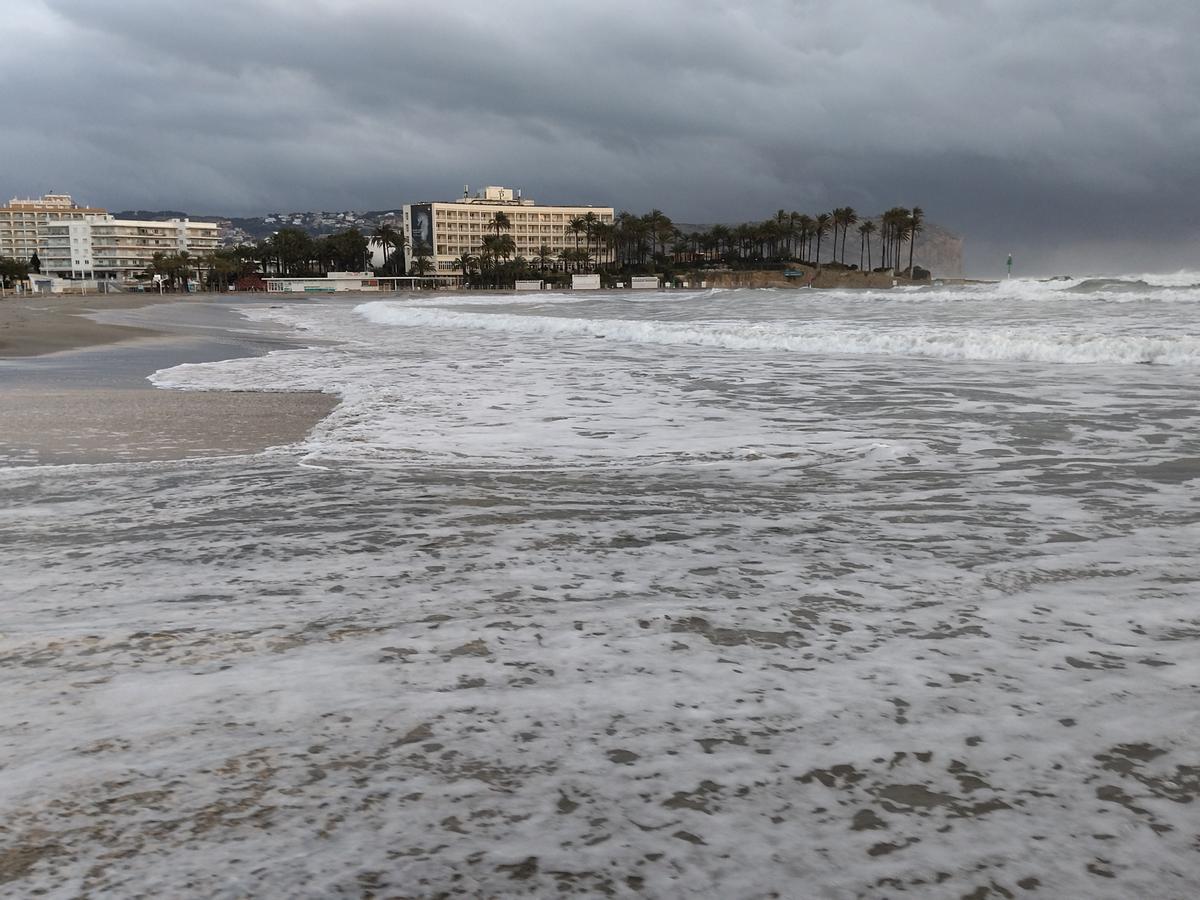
<point x="1048" y="128"/>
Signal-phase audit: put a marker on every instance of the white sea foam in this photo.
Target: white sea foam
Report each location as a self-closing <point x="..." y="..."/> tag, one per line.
<point x="551" y="608"/>
<point x="1008" y="344"/>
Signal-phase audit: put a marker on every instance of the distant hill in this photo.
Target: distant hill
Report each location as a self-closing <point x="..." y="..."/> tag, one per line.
<point x="251" y="229"/>
<point x="146" y="215"/>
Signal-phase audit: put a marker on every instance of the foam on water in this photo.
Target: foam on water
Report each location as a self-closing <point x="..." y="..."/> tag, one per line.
<point x="945" y="342"/>
<point x="597" y="597"/>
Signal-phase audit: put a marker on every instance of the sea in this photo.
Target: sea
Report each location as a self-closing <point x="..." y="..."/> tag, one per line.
<point x="722" y="593"/>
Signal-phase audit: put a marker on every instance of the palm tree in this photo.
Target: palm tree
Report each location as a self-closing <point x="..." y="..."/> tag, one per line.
<point x="916" y="223"/>
<point x="386" y="237"/>
<point x="500" y="222"/>
<point x="835" y="220"/>
<point x="820" y="229"/>
<point x="865" y="230"/>
<point x="849" y="217"/>
<point x="804" y="224"/>
<point x="590" y="221"/>
<point x="577" y="226"/>
<point x="423" y="261"/>
<point x="720" y="235"/>
<point x="466" y="262"/>
<point x="544" y="257"/>
<point x="899" y="231"/>
<point x="793" y="230"/>
<point x="605" y="240"/>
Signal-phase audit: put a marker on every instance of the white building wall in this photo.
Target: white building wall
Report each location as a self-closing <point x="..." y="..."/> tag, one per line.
<point x="119" y="248"/>
<point x="459" y="227"/>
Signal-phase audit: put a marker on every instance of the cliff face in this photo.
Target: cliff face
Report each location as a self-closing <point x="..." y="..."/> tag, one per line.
<point x="938" y="250"/>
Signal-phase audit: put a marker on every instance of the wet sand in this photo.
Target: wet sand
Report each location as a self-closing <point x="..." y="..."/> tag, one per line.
<point x="74" y="390"/>
<point x="34" y="325"/>
<point x="48" y="426"/>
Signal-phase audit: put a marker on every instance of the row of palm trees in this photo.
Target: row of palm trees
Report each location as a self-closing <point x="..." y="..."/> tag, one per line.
<point x="797" y="236"/>
<point x="631" y="241"/>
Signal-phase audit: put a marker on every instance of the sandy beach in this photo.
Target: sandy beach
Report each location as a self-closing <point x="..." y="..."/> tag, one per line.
<point x="74" y="390"/>
<point x="32" y="325"/>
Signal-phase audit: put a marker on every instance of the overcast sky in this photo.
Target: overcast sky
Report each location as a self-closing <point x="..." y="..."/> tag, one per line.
<point x="1066" y="131"/>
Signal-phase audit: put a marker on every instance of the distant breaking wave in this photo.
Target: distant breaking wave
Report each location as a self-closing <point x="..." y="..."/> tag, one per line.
<point x="1001" y="344"/>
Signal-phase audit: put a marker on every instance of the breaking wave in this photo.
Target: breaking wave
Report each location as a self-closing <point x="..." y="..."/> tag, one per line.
<point x="1042" y="344"/>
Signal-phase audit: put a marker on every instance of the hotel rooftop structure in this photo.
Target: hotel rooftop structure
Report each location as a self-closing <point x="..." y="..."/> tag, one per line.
<point x="453" y="228"/>
<point x="21" y="219"/>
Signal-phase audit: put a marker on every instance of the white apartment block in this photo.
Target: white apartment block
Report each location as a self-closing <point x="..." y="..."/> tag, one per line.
<point x="104" y="247"/>
<point x="21" y="219"/>
<point x="459" y="226"/>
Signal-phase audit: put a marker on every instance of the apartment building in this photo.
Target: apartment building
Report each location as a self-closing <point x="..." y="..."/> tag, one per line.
<point x="21" y="219"/>
<point x="455" y="227"/>
<point x="104" y="247"/>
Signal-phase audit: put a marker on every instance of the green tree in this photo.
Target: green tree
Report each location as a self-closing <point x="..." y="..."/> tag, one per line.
<point x="350" y="248"/>
<point x="387" y="238"/>
<point x="916" y="223"/>
<point x="172" y="268"/>
<point x="820" y="229"/>
<point x="590" y="221"/>
<point x="12" y="271"/>
<point x="500" y="222"/>
<point x="865" y="230"/>
<point x="466" y="263"/>
<point x="505" y="247"/>
<point x="849" y="218"/>
<point x="292" y="249"/>
<point x="422" y="260"/>
<point x="576" y="226"/>
<point x="224" y="265"/>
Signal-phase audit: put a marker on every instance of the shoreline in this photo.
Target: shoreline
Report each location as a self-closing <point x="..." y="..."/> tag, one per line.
<point x="34" y="325"/>
<point x="75" y="391"/>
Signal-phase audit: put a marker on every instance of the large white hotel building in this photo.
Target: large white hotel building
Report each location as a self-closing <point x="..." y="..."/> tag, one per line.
<point x="84" y="242"/>
<point x="20" y="221"/>
<point x="456" y="227"/>
<point x="104" y="247"/>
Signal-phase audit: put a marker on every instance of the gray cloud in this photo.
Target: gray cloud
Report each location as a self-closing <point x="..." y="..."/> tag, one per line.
<point x="1064" y="131"/>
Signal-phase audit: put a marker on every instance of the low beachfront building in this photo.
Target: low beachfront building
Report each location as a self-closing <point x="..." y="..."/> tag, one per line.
<point x="452" y="228"/>
<point x="339" y="282"/>
<point x="103" y="247"/>
<point x="21" y="219"/>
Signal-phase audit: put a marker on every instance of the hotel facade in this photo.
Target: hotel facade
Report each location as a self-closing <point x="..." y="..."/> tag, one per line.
<point x="21" y="220"/>
<point x="102" y="247"/>
<point x="455" y="227"/>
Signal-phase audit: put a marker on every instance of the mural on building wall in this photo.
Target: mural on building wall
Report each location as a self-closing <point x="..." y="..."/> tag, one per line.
<point x="420" y="228"/>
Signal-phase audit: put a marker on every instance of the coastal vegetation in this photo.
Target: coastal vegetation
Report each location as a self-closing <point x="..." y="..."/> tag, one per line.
<point x="12" y="271"/>
<point x="652" y="242"/>
<point x="631" y="244"/>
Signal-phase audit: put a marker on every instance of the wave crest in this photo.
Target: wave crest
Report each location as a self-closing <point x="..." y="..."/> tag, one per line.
<point x="996" y="344"/>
